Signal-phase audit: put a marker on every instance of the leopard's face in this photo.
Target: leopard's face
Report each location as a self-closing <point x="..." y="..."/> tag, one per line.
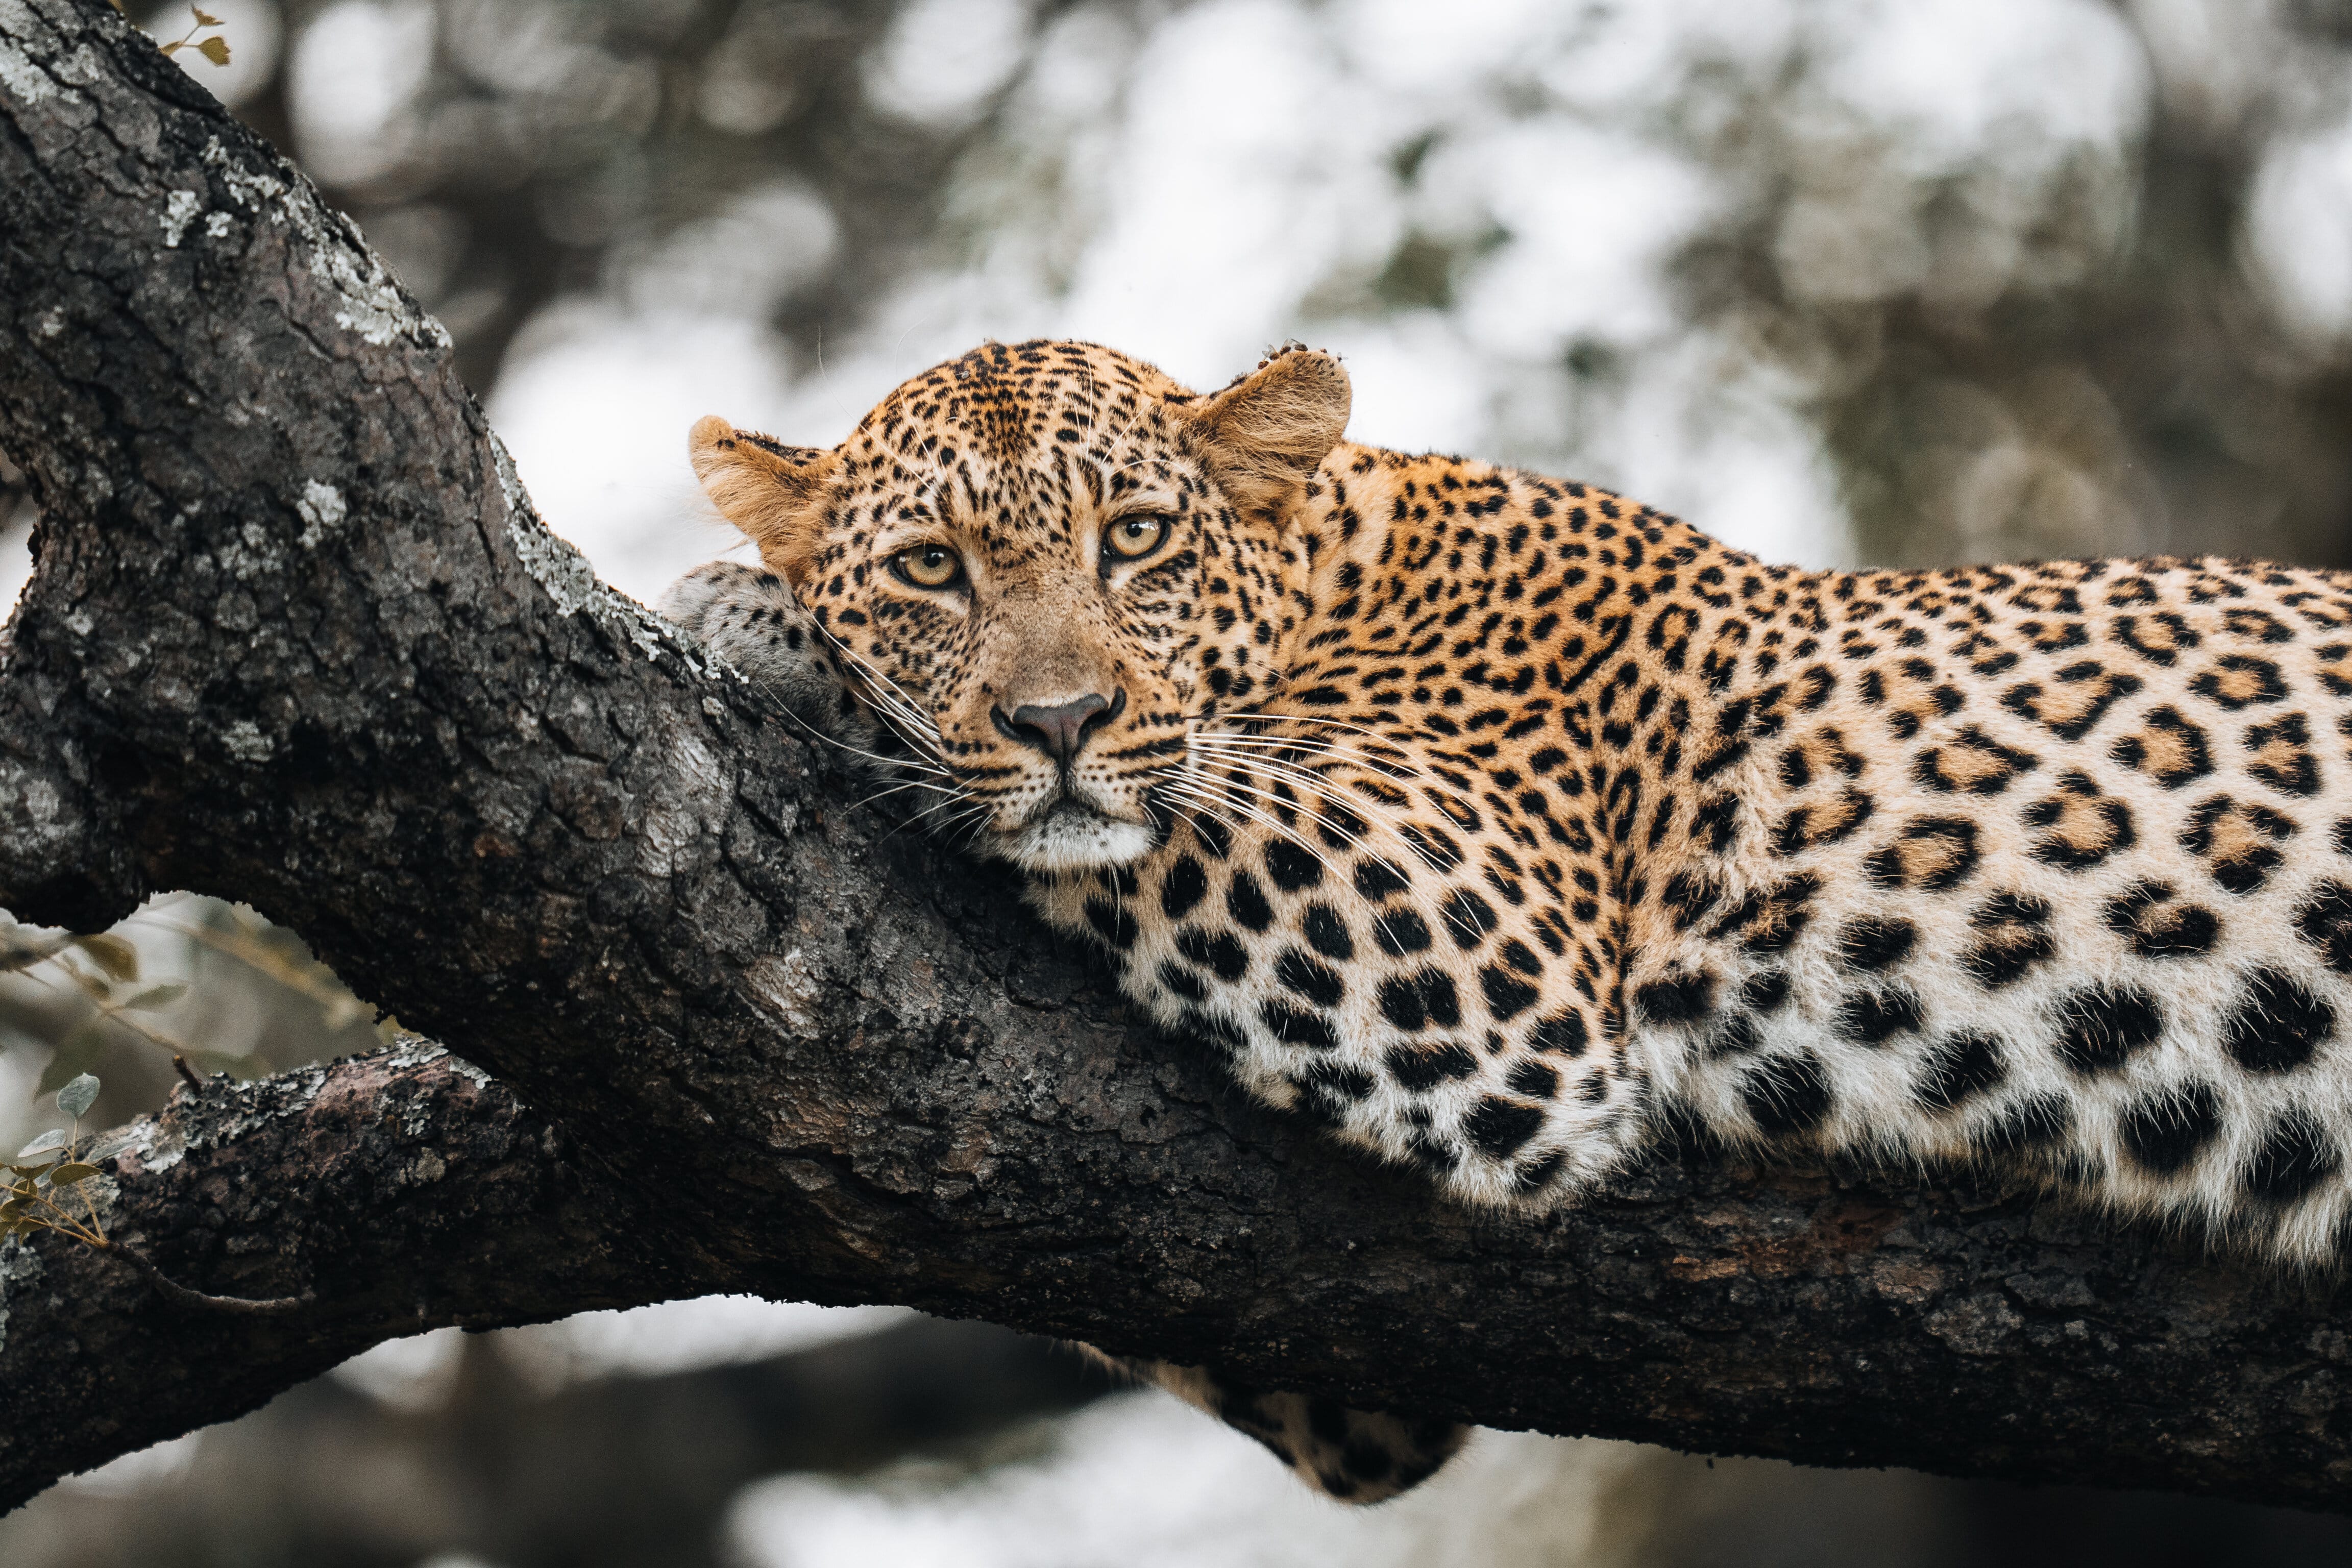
<point x="1042" y="567"/>
<point x="1038" y="624"/>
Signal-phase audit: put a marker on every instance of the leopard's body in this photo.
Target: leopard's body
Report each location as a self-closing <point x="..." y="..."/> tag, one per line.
<point x="1491" y="818"/>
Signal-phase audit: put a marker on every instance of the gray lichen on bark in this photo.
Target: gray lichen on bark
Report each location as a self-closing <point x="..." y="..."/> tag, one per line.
<point x="296" y="638"/>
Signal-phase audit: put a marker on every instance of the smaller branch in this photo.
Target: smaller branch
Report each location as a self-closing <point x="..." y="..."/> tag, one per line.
<point x="173" y="1290"/>
<point x="410" y="1192"/>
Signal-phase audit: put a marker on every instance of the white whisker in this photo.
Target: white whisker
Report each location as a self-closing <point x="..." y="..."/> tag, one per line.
<point x="905" y="785"/>
<point x="840" y="744"/>
<point x="1321" y="789"/>
<point x="884" y="692"/>
<point x="1266" y="819"/>
<point x="1378" y="819"/>
<point x="1400" y="734"/>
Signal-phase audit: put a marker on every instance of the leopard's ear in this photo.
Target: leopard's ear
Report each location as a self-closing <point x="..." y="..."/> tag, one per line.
<point x="1268" y="431"/>
<point x="774" y="493"/>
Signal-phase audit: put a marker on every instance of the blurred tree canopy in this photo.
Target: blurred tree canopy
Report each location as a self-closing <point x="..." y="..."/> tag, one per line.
<point x="2112" y="356"/>
<point x="2047" y="277"/>
<point x="2096" y="319"/>
<point x="508" y="153"/>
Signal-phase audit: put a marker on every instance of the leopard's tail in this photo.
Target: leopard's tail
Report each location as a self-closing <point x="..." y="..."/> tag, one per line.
<point x="1355" y="1455"/>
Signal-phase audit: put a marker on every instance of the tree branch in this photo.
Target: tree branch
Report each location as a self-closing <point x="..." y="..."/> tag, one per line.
<point x="297" y="639"/>
<point x="402" y="1190"/>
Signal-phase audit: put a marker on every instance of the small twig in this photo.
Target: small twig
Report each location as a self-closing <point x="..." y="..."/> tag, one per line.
<point x="187" y="1075"/>
<point x="171" y="1290"/>
<point x="108" y="1012"/>
<point x="308" y="984"/>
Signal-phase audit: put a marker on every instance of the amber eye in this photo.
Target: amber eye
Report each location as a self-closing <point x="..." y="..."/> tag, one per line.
<point x="929" y="566"/>
<point x="1133" y="538"/>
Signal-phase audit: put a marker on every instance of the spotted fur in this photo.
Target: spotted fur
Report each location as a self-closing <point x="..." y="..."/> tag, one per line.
<point x="1489" y="818"/>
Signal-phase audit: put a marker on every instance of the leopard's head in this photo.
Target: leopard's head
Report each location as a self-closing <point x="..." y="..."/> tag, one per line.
<point x="1043" y="563"/>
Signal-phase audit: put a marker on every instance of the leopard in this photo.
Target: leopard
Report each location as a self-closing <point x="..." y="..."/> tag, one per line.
<point x="1503" y="824"/>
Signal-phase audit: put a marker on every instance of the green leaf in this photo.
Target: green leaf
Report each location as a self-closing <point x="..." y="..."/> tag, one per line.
<point x="75" y="1056"/>
<point x="114" y="955"/>
<point x="215" y="49"/>
<point x="157" y="997"/>
<point x="168" y="49"/>
<point x="202" y="20"/>
<point x="72" y="1170"/>
<point x="55" y="1138"/>
<point x="76" y="1098"/>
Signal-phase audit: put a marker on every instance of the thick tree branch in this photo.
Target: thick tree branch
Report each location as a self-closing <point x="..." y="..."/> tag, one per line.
<point x="297" y="639"/>
<point x="404" y="1190"/>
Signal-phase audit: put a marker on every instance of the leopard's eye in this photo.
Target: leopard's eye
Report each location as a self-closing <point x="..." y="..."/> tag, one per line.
<point x="929" y="566"/>
<point x="1133" y="538"/>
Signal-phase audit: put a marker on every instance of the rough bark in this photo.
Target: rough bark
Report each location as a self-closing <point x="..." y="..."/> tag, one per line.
<point x="406" y="1189"/>
<point x="297" y="639"/>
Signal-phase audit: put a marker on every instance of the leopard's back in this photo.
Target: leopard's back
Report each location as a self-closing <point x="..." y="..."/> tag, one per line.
<point x="2048" y="864"/>
<point x="2048" y="867"/>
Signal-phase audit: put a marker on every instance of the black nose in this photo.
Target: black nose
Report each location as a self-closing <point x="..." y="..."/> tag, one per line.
<point x="1060" y="731"/>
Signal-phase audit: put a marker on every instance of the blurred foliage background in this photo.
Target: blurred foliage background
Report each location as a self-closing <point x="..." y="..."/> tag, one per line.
<point x="1844" y="281"/>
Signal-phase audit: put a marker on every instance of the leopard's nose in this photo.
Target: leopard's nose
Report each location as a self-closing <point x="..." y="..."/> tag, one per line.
<point x="1059" y="730"/>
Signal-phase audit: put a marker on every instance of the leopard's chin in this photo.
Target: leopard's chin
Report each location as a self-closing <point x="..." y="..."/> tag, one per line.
<point x="1075" y="837"/>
